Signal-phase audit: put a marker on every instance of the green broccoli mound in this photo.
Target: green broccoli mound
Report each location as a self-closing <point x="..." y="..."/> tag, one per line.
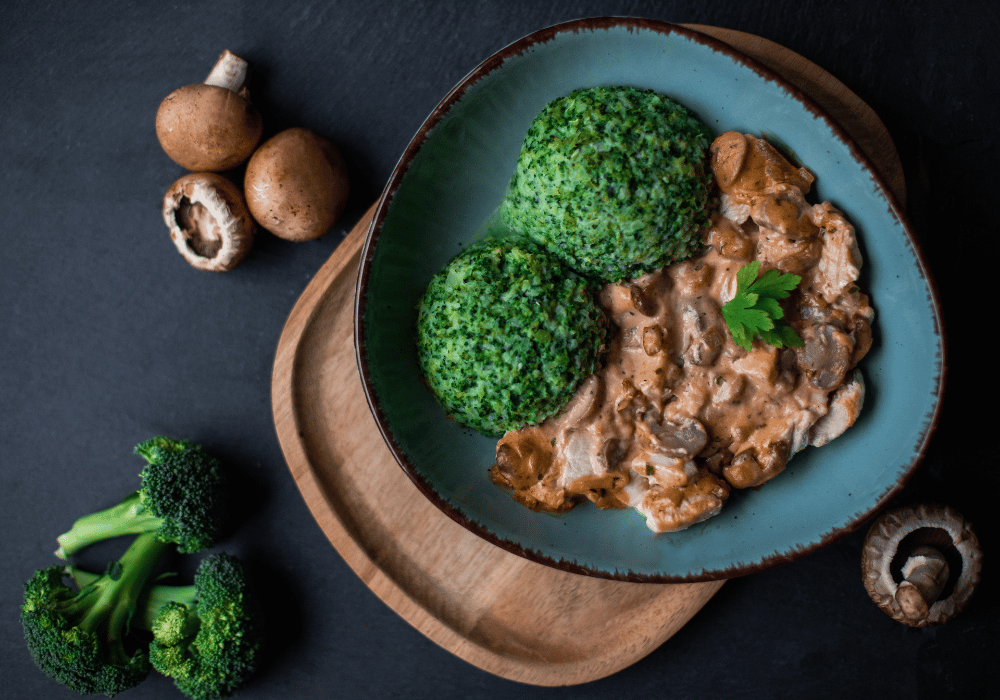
<point x="506" y="334"/>
<point x="614" y="181"/>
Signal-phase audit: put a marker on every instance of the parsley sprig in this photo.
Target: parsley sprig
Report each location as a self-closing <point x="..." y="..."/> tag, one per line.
<point x="755" y="310"/>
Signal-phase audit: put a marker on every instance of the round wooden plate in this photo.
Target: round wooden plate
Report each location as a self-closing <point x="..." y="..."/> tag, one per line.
<point x="511" y="617"/>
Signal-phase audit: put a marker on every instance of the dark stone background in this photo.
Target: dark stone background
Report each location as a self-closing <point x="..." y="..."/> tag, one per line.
<point x="109" y="337"/>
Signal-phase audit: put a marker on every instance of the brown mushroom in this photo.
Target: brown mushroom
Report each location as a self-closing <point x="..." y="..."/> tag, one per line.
<point x="753" y="467"/>
<point x="652" y="340"/>
<point x="296" y="185"/>
<point x="641" y="300"/>
<point x="211" y="126"/>
<point x="825" y="355"/>
<point x="208" y="221"/>
<point x="681" y="438"/>
<point x="920" y="564"/>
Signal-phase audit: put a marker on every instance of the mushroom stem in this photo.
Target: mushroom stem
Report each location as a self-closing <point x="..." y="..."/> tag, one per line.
<point x="926" y="572"/>
<point x="229" y="72"/>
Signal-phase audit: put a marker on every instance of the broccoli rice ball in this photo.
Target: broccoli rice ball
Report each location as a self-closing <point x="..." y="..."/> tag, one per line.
<point x="506" y="334"/>
<point x="614" y="181"/>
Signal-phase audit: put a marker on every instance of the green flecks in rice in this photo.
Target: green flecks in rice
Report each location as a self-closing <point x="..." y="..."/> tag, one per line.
<point x="506" y="334"/>
<point x="613" y="181"/>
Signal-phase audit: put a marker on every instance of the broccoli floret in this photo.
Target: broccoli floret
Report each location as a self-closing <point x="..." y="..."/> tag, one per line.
<point x="80" y="638"/>
<point x="210" y="648"/>
<point x="206" y="636"/>
<point x="183" y="499"/>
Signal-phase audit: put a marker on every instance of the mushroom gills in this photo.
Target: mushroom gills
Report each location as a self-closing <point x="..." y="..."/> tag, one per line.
<point x="200" y="229"/>
<point x="920" y="564"/>
<point x="208" y="221"/>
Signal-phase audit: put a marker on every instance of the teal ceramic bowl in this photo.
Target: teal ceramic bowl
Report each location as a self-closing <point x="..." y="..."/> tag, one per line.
<point x="452" y="177"/>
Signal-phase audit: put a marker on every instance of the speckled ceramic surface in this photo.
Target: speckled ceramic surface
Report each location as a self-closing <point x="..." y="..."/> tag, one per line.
<point x="452" y="177"/>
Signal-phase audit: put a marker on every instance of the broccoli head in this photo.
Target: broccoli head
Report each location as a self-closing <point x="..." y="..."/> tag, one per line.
<point x="80" y="637"/>
<point x="206" y="636"/>
<point x="183" y="499"/>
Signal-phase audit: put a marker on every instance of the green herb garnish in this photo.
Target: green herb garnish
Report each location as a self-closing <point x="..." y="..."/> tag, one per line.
<point x="755" y="311"/>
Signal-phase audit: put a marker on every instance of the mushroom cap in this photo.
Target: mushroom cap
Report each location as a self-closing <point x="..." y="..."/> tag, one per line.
<point x="208" y="221"/>
<point x="208" y="127"/>
<point x="296" y="185"/>
<point x="913" y="527"/>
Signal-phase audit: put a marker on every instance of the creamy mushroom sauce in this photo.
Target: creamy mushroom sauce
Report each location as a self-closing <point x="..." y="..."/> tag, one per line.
<point x="679" y="414"/>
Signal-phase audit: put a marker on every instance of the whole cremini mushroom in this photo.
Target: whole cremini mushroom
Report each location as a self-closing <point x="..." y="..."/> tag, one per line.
<point x="920" y="564"/>
<point x="211" y="126"/>
<point x="296" y="185"/>
<point x="208" y="221"/>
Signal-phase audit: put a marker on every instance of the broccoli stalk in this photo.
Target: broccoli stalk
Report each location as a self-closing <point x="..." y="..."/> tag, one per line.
<point x="182" y="500"/>
<point x="130" y="517"/>
<point x="206" y="636"/>
<point x="78" y="637"/>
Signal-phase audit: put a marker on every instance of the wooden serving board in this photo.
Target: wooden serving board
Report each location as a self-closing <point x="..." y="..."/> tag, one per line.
<point x="504" y="614"/>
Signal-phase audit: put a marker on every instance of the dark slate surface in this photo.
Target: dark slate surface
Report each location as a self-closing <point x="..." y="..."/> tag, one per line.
<point x="109" y="337"/>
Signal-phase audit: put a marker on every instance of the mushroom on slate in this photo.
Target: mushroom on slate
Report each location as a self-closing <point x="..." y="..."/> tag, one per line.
<point x="296" y="185"/>
<point x="211" y="126"/>
<point x="921" y="564"/>
<point x="208" y="221"/>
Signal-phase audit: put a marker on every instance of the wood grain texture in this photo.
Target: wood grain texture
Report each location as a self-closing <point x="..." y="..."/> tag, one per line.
<point x="509" y="616"/>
